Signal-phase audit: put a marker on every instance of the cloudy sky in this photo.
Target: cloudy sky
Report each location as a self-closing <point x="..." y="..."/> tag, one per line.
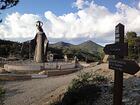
<point x="72" y="21"/>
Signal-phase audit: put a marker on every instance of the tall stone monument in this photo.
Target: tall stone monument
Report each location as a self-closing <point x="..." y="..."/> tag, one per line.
<point x="41" y="44"/>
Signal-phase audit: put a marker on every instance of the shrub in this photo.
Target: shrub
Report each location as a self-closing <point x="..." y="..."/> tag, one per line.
<point x="83" y="90"/>
<point x="82" y="80"/>
<point x="2" y="91"/>
<point x="85" y="94"/>
<point x="100" y="79"/>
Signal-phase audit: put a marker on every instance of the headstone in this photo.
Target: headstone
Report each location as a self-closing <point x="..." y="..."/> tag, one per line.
<point x="105" y="59"/>
<point x="76" y="61"/>
<point x="65" y="58"/>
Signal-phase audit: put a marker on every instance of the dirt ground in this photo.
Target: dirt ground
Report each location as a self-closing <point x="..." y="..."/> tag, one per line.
<point x="41" y="91"/>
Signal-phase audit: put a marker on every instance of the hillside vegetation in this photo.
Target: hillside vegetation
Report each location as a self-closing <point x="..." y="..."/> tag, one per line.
<point x="9" y="47"/>
<point x="87" y="51"/>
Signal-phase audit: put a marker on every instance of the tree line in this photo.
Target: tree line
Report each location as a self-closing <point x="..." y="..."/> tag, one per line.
<point x="133" y="45"/>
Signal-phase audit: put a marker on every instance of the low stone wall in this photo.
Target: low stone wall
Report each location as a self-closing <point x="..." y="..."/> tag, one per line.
<point x="13" y="77"/>
<point x="9" y="68"/>
<point x="66" y="66"/>
<point x="37" y="67"/>
<point x="60" y="72"/>
<point x="49" y="73"/>
<point x="51" y="66"/>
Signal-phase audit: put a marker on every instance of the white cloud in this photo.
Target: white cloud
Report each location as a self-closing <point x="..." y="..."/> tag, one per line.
<point x="94" y="21"/>
<point x="18" y="26"/>
<point x="139" y="4"/>
<point x="79" y="4"/>
<point x="89" y="22"/>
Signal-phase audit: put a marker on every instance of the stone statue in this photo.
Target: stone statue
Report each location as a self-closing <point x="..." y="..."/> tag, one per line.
<point x="41" y="44"/>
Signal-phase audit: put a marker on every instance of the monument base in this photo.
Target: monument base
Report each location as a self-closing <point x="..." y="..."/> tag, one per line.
<point x="39" y="66"/>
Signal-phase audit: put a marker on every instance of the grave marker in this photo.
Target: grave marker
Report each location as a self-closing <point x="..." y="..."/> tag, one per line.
<point x="120" y="49"/>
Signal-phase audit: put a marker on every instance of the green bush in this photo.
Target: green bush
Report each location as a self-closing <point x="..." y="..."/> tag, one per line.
<point x="82" y="80"/>
<point x="2" y="91"/>
<point x="100" y="79"/>
<point x="83" y="90"/>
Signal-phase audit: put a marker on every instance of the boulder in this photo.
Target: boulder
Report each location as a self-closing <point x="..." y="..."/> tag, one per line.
<point x="2" y="70"/>
<point x="138" y="74"/>
<point x="43" y="72"/>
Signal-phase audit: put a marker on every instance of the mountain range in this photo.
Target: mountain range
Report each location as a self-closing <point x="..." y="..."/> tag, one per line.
<point x="88" y="50"/>
<point x="89" y="46"/>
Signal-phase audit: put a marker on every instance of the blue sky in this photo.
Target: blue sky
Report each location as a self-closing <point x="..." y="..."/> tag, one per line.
<point x="70" y="20"/>
<point x="59" y="7"/>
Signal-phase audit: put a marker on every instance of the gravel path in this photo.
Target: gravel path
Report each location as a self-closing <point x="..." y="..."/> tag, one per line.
<point x="30" y="92"/>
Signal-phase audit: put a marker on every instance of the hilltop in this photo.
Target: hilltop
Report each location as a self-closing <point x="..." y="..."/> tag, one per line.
<point x="61" y="44"/>
<point x="89" y="46"/>
<point x="88" y="50"/>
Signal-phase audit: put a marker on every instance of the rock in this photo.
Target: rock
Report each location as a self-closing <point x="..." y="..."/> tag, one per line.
<point x="137" y="100"/>
<point x="138" y="74"/>
<point x="2" y="70"/>
<point x="105" y="59"/>
<point x="125" y="100"/>
<point x="136" y="90"/>
<point x="135" y="95"/>
<point x="43" y="72"/>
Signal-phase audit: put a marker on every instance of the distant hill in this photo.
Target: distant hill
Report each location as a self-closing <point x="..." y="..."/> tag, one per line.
<point x="61" y="44"/>
<point x="9" y="47"/>
<point x="7" y="42"/>
<point x="91" y="46"/>
<point x="88" y="50"/>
